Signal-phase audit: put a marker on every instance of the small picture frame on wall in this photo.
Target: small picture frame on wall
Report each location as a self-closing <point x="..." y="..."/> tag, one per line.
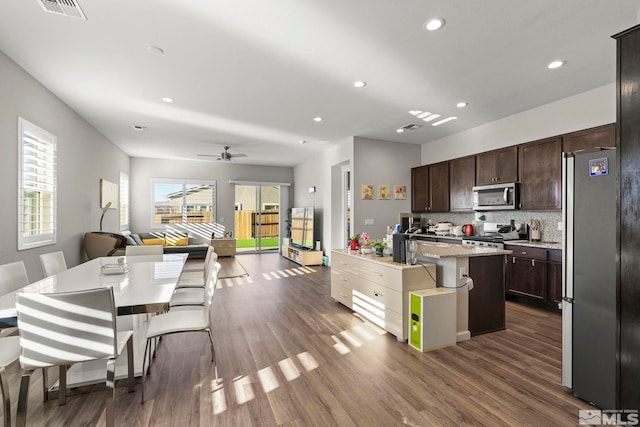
<point x="400" y="192"/>
<point x="367" y="192"/>
<point x="384" y="192"/>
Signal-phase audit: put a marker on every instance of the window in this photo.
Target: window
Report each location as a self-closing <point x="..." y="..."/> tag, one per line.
<point x="183" y="202"/>
<point x="124" y="201"/>
<point x="36" y="186"/>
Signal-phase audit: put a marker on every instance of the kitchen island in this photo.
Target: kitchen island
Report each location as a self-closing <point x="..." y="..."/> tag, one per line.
<point x="383" y="285"/>
<point x="378" y="288"/>
<point x="477" y="274"/>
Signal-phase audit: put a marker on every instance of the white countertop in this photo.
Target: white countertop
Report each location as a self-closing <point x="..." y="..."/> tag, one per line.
<point x="432" y="250"/>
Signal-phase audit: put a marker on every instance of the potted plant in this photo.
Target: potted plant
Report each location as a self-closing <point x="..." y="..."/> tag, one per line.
<point x="365" y="244"/>
<point x="379" y="247"/>
<point x="354" y="242"/>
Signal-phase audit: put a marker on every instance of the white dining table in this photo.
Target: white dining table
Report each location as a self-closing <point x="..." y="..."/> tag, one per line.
<point x="145" y="288"/>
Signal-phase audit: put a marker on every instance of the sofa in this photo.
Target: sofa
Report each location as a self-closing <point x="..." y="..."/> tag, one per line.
<point x="173" y="242"/>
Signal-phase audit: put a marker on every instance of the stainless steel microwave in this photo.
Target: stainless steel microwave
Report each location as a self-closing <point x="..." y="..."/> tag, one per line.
<point x="496" y="197"/>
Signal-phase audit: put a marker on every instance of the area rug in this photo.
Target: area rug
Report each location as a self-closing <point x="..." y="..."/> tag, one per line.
<point x="231" y="267"/>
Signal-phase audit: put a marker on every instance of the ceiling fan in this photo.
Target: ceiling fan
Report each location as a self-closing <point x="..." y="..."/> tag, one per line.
<point x="225" y="155"/>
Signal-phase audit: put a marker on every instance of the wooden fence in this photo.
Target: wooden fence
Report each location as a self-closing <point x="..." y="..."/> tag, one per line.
<point x="246" y="227"/>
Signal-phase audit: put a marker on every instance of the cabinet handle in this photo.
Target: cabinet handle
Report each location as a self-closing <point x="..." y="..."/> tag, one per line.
<point x="533" y="263"/>
<point x="514" y="260"/>
<point x="523" y="252"/>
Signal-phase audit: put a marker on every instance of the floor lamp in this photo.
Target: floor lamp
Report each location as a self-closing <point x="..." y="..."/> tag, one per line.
<point x="104" y="211"/>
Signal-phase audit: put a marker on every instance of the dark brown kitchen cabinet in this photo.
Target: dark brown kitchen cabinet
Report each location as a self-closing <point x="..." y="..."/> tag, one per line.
<point x="462" y="178"/>
<point x="601" y="136"/>
<point x="526" y="271"/>
<point x="554" y="295"/>
<point x="486" y="300"/>
<point x="497" y="166"/>
<point x="541" y="174"/>
<point x="430" y="188"/>
<point x="628" y="138"/>
<point x="420" y="189"/>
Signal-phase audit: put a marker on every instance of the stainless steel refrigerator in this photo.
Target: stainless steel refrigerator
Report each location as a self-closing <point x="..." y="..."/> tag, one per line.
<point x="589" y="321"/>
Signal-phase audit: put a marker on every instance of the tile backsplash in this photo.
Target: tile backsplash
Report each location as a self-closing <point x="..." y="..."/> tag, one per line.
<point x="548" y="220"/>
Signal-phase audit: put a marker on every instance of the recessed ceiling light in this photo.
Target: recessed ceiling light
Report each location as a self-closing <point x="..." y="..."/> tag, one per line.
<point x="434" y="24"/>
<point x="556" y="64"/>
<point x="400" y="130"/>
<point x="359" y="84"/>
<point x="155" y="49"/>
<point x="462" y="104"/>
<point x="168" y="99"/>
<point x="317" y="119"/>
<point x="448" y="119"/>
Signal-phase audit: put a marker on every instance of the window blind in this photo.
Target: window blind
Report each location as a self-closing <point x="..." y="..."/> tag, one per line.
<point x="37" y="186"/>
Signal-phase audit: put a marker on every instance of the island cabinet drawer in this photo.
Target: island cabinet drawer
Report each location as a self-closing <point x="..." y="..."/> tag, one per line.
<point x="341" y="294"/>
<point x="527" y="252"/>
<point x="381" y="274"/>
<point x="386" y="297"/>
<point x="346" y="263"/>
<point x="344" y="278"/>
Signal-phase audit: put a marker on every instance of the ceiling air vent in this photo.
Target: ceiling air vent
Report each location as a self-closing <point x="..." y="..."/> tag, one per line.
<point x="411" y="126"/>
<point x="63" y="7"/>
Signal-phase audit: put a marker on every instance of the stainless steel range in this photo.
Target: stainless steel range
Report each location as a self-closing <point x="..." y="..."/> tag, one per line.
<point x="495" y="235"/>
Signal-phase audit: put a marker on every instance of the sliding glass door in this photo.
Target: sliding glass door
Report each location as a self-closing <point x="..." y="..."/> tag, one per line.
<point x="257" y="224"/>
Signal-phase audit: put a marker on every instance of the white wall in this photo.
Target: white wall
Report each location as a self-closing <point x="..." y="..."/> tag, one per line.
<point x="585" y="110"/>
<point x="84" y="157"/>
<point x="144" y="170"/>
<point x="319" y="172"/>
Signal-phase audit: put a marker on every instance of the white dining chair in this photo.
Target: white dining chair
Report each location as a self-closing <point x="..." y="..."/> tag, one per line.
<point x="13" y="276"/>
<point x="9" y="353"/>
<point x="133" y="250"/>
<point x="60" y="329"/>
<point x="52" y="263"/>
<point x="197" y="278"/>
<point x="193" y="296"/>
<point x="193" y="319"/>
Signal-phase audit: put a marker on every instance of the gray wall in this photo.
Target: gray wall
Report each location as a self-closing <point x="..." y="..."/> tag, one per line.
<point x="381" y="163"/>
<point x="144" y="170"/>
<point x="84" y="157"/>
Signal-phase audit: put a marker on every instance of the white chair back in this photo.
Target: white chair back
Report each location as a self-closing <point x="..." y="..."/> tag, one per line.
<point x="13" y="276"/>
<point x="132" y="250"/>
<point x="64" y="328"/>
<point x="53" y="263"/>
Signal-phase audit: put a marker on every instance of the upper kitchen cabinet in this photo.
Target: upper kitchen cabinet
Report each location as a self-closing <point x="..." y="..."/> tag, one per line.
<point x="420" y="189"/>
<point x="497" y="166"/>
<point x="462" y="178"/>
<point x="601" y="136"/>
<point x="430" y="188"/>
<point x="541" y="175"/>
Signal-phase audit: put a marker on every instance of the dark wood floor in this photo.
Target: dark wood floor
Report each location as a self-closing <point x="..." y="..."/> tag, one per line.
<point x="290" y="355"/>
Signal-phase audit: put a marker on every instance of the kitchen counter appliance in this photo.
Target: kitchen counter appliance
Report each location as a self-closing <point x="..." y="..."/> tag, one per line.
<point x="496" y="197"/>
<point x="496" y="234"/>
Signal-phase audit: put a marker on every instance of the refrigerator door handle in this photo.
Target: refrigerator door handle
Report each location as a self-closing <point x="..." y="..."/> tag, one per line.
<point x="568" y="300"/>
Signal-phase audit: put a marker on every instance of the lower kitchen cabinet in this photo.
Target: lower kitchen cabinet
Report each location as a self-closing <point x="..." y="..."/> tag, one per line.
<point x="378" y="289"/>
<point x="555" y="276"/>
<point x="534" y="275"/>
<point x="486" y="299"/>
